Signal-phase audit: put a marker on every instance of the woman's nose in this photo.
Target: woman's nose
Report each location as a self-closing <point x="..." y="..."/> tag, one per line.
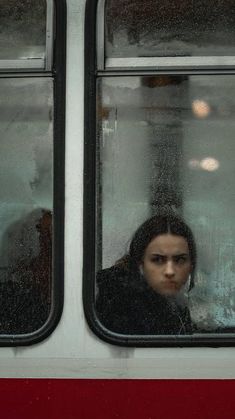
<point x="169" y="270"/>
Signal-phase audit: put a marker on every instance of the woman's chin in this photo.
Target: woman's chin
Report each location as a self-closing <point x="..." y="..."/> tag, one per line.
<point x="168" y="292"/>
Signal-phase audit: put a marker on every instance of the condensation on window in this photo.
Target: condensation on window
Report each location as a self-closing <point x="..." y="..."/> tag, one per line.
<point x="170" y="28"/>
<point x="26" y="203"/>
<point x="23" y="29"/>
<point x="168" y="141"/>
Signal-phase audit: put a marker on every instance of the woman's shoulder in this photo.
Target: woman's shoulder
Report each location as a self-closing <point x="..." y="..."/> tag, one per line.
<point x="115" y="279"/>
<point x="111" y="273"/>
<point x="119" y="302"/>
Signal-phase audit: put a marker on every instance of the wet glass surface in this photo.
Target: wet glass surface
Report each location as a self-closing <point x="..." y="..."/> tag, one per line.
<point x="26" y="196"/>
<point x="168" y="142"/>
<point x="169" y="28"/>
<point x="23" y="29"/>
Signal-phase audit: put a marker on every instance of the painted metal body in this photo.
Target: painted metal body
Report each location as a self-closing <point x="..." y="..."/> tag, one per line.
<point x="117" y="399"/>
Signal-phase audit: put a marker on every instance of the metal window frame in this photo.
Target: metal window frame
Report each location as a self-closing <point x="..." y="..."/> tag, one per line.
<point x="58" y="75"/>
<point x="36" y="64"/>
<point x="154" y="62"/>
<point x="95" y="66"/>
<point x="173" y="63"/>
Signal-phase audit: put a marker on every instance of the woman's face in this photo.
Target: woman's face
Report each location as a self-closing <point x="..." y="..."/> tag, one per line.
<point x="166" y="264"/>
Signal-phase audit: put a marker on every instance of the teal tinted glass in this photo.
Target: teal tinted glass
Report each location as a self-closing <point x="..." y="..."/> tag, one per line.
<point x="26" y="196"/>
<point x="23" y="29"/>
<point x="168" y="141"/>
<point x="169" y="28"/>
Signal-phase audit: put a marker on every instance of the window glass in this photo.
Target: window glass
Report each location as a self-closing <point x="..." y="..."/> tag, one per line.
<point x="23" y="29"/>
<point x="26" y="196"/>
<point x="168" y="141"/>
<point x="169" y="28"/>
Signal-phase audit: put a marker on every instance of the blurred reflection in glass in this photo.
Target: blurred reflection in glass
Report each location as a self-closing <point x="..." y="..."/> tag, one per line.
<point x="25" y="292"/>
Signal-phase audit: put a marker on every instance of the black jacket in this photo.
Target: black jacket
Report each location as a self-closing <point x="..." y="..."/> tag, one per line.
<point x="126" y="304"/>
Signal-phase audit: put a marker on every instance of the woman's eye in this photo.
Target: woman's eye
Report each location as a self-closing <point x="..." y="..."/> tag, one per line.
<point x="180" y="259"/>
<point x="158" y="259"/>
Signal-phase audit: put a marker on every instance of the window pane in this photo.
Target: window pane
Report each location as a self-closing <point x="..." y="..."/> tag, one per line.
<point x="26" y="196"/>
<point x="168" y="142"/>
<point x="23" y="29"/>
<point x="170" y="28"/>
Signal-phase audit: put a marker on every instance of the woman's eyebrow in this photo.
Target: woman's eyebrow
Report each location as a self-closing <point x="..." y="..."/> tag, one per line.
<point x="180" y="255"/>
<point x="165" y="255"/>
<point x="162" y="255"/>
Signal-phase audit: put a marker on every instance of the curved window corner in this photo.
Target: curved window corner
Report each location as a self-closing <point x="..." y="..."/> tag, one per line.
<point x="32" y="169"/>
<point x="159" y="169"/>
